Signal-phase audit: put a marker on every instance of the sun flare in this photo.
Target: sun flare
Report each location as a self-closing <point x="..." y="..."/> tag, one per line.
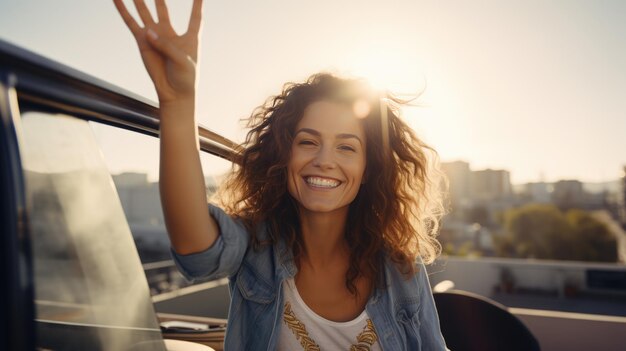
<point x="389" y="73"/>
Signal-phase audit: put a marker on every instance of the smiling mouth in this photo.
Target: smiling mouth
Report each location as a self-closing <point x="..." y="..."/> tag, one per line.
<point x="320" y="182"/>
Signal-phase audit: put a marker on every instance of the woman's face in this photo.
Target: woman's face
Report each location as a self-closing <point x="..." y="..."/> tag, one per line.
<point x="327" y="158"/>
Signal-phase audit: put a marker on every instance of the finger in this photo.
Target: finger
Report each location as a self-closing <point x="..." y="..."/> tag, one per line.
<point x="144" y="13"/>
<point x="166" y="48"/>
<point x="128" y="19"/>
<point x="162" y="12"/>
<point x="196" y="17"/>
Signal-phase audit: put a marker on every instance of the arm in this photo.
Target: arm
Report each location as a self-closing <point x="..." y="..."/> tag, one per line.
<point x="171" y="62"/>
<point x="429" y="319"/>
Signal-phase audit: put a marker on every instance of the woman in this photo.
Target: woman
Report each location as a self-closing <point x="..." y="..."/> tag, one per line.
<point x="333" y="203"/>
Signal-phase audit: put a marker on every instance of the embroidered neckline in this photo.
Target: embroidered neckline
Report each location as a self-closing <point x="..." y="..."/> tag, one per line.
<point x="364" y="340"/>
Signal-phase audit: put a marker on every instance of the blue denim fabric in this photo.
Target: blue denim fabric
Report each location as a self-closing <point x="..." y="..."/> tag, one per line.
<point x="403" y="313"/>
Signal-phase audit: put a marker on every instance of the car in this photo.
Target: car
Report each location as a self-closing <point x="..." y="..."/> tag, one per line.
<point x="73" y="279"/>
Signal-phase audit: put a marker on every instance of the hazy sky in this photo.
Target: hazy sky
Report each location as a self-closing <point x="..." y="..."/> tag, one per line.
<point x="534" y="87"/>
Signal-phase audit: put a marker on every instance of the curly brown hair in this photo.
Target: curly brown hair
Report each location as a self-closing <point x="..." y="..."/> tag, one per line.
<point x="396" y="212"/>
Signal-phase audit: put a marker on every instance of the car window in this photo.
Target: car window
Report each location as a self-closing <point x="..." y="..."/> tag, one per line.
<point x="90" y="290"/>
<point x="133" y="162"/>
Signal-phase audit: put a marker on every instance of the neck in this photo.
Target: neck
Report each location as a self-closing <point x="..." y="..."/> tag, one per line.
<point x="323" y="237"/>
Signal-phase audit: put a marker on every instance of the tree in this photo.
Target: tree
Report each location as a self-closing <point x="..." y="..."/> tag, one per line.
<point x="544" y="232"/>
<point x="599" y="243"/>
<point x="477" y="214"/>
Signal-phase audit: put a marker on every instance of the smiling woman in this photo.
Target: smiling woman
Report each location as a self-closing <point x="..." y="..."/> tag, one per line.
<point x="346" y="202"/>
<point x="332" y="209"/>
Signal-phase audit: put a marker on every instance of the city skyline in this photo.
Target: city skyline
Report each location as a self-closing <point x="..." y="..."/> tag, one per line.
<point x="592" y="184"/>
<point x="532" y="87"/>
<point x="211" y="180"/>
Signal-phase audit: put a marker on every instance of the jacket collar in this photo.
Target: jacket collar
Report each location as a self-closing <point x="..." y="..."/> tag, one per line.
<point x="285" y="263"/>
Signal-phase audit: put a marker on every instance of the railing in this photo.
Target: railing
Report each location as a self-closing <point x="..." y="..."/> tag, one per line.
<point x="538" y="283"/>
<point x="163" y="277"/>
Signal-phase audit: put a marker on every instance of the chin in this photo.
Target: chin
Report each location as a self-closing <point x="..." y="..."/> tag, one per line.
<point x="322" y="208"/>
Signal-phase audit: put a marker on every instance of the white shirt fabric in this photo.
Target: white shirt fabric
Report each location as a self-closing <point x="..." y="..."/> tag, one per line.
<point x="303" y="329"/>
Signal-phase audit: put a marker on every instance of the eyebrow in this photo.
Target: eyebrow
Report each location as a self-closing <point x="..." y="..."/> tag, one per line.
<point x="318" y="134"/>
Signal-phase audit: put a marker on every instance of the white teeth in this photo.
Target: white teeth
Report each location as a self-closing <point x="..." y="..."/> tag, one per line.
<point x="322" y="182"/>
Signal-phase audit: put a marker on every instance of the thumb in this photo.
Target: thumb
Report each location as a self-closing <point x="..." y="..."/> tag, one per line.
<point x="167" y="49"/>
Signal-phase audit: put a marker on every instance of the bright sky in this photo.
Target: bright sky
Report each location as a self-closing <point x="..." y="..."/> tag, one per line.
<point x="534" y="87"/>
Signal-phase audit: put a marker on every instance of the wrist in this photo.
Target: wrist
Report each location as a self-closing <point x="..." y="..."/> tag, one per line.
<point x="178" y="112"/>
<point x="186" y="102"/>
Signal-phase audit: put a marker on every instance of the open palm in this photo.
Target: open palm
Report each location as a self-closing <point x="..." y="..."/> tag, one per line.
<point x="170" y="59"/>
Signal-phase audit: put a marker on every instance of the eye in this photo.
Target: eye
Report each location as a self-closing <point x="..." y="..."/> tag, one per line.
<point x="306" y="142"/>
<point x="347" y="148"/>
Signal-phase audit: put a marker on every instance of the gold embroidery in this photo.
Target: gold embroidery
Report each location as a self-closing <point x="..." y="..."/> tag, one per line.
<point x="299" y="330"/>
<point x="365" y="339"/>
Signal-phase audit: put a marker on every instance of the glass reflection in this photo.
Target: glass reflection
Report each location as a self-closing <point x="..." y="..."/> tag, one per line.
<point x="133" y="162"/>
<point x="90" y="289"/>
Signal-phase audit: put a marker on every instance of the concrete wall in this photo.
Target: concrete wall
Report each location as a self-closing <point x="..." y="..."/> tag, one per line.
<point x="482" y="275"/>
<point x="205" y="300"/>
<point x="558" y="331"/>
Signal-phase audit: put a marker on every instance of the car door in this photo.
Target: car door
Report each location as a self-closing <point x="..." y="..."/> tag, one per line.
<point x="73" y="278"/>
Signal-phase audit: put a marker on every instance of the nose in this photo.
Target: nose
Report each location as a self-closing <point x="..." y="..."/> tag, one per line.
<point x="325" y="158"/>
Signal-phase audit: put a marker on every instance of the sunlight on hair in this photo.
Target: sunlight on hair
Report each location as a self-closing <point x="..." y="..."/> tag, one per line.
<point x="361" y="108"/>
<point x="384" y="124"/>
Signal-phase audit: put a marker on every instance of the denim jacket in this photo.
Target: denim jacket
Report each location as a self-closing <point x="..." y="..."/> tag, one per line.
<point x="403" y="313"/>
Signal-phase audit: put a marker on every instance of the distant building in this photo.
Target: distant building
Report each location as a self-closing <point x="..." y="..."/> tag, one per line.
<point x="467" y="186"/>
<point x="140" y="199"/>
<point x="459" y="176"/>
<point x="596" y="201"/>
<point x="478" y="198"/>
<point x="568" y="194"/>
<point x="490" y="184"/>
<point x="538" y="192"/>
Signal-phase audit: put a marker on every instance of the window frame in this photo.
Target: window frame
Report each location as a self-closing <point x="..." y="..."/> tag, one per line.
<point x="30" y="82"/>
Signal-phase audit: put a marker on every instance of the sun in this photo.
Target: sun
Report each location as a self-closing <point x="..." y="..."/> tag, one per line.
<point x="387" y="72"/>
<point x="434" y="113"/>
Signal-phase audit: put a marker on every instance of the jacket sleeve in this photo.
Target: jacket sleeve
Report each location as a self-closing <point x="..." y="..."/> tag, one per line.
<point x="220" y="260"/>
<point x="430" y="331"/>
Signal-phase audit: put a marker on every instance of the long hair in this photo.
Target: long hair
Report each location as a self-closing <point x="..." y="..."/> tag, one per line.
<point x="395" y="213"/>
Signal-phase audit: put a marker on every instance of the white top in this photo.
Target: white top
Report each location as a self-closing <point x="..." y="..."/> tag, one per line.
<point x="303" y="329"/>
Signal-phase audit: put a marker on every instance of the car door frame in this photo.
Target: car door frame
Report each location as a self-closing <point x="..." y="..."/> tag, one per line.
<point x="29" y="81"/>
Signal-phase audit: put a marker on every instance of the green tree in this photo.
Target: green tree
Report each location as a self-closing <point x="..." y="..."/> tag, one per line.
<point x="544" y="232"/>
<point x="594" y="241"/>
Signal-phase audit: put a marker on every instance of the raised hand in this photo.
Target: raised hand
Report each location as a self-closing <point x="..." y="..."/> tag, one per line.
<point x="170" y="59"/>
